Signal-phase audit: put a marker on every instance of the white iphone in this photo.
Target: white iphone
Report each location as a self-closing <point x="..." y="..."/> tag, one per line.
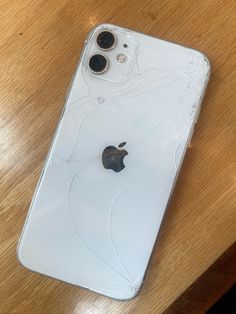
<point x="127" y="121"/>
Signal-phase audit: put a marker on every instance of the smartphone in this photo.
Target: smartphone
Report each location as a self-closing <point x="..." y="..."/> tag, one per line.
<point x="127" y="121"/>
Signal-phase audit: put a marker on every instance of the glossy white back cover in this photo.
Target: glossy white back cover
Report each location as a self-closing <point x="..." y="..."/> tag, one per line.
<point x="91" y="226"/>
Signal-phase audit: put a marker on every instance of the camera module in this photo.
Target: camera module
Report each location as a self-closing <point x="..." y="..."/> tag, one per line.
<point x="106" y="40"/>
<point x="98" y="64"/>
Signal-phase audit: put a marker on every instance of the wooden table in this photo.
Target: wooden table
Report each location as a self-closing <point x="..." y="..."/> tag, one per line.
<point x="39" y="48"/>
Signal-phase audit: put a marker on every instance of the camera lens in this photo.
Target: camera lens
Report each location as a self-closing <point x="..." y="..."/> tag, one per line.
<point x="106" y="40"/>
<point x="98" y="64"/>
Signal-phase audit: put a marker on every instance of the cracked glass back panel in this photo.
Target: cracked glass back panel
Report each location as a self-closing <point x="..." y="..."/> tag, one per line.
<point x="95" y="227"/>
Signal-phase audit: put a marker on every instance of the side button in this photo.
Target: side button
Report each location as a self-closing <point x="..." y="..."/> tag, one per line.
<point x="190" y="137"/>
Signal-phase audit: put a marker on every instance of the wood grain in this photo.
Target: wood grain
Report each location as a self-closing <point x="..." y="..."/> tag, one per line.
<point x="39" y="48"/>
<point x="209" y="287"/>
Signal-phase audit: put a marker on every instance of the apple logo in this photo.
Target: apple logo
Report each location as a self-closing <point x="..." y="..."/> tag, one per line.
<point x="112" y="157"/>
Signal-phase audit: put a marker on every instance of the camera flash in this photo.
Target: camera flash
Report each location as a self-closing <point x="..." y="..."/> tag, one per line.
<point x="120" y="58"/>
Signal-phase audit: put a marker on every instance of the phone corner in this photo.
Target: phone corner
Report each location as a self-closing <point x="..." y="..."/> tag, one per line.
<point x="205" y="62"/>
<point x="19" y="255"/>
<point x="134" y="294"/>
<point x="129" y="295"/>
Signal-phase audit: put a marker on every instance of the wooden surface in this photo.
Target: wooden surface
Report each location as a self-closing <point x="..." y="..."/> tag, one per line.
<point x="40" y="45"/>
<point x="218" y="279"/>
